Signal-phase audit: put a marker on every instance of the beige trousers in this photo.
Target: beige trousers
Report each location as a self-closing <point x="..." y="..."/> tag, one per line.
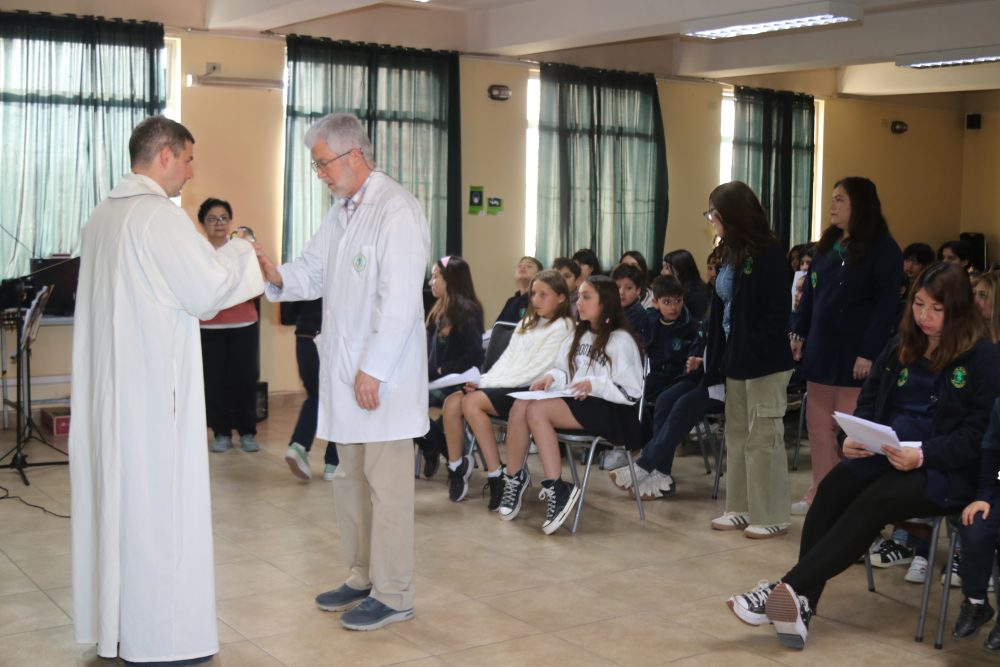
<point x="373" y="490"/>
<point x="824" y="452"/>
<point x="757" y="466"/>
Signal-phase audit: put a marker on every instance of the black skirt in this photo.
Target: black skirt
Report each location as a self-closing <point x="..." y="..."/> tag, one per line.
<point x="500" y="398"/>
<point x="615" y="422"/>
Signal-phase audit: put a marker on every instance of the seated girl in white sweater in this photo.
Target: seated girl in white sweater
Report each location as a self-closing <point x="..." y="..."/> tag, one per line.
<point x="532" y="350"/>
<point x="601" y="364"/>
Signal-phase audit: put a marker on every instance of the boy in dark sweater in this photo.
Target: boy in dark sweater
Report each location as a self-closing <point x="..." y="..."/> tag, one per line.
<point x="672" y="335"/>
<point x="631" y="282"/>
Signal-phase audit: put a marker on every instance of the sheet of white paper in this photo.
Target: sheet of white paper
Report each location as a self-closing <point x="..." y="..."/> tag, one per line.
<point x="717" y="392"/>
<point x="869" y="433"/>
<point x="453" y="379"/>
<point x="540" y="395"/>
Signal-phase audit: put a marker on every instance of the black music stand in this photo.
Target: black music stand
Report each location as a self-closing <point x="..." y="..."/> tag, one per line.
<point x="26" y="427"/>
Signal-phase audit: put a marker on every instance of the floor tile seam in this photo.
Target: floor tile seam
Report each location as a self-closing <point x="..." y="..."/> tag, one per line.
<point x="266" y="652"/>
<point x="20" y="569"/>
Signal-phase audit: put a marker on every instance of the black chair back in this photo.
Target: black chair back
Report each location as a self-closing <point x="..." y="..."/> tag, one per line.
<point x="499" y="339"/>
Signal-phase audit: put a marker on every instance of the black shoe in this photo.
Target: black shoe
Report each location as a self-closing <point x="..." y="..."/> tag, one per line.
<point x="432" y="461"/>
<point x="992" y="642"/>
<point x="458" y="479"/>
<point x="514" y="487"/>
<point x="560" y="498"/>
<point x="971" y="617"/>
<point x="496" y="486"/>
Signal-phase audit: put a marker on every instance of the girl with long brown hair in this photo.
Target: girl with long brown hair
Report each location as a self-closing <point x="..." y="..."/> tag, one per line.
<point x="601" y="365"/>
<point x="935" y="385"/>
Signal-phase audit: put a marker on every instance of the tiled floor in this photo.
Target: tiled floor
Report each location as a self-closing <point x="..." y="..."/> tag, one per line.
<point x="619" y="592"/>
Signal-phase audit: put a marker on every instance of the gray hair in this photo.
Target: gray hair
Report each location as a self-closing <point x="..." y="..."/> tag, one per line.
<point x="341" y="132"/>
<point x="154" y="134"/>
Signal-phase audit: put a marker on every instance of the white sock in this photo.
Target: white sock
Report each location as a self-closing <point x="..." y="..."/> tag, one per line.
<point x="495" y="473"/>
<point x="453" y="465"/>
<point x="975" y="601"/>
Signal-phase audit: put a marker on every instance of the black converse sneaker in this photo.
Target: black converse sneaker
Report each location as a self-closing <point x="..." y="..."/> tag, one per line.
<point x="790" y="613"/>
<point x="750" y="607"/>
<point x="496" y="487"/>
<point x="560" y="498"/>
<point x="458" y="479"/>
<point x="514" y="487"/>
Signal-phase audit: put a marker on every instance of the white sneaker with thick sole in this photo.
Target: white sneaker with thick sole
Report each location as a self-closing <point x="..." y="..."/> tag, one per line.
<point x="750" y="607"/>
<point x="790" y="614"/>
<point x="622" y="477"/>
<point x="665" y="483"/>
<point x="614" y="459"/>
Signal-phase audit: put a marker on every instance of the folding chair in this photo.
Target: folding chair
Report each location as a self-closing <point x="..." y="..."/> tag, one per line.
<point x="578" y="439"/>
<point x="925" y="598"/>
<point x="499" y="340"/>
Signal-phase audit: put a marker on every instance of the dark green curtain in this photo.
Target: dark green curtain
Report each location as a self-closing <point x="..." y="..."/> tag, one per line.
<point x="409" y="101"/>
<point x="773" y="144"/>
<point x="602" y="164"/>
<point x="71" y="90"/>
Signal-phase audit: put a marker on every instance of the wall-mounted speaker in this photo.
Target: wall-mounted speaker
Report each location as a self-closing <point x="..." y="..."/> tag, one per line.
<point x="973" y="121"/>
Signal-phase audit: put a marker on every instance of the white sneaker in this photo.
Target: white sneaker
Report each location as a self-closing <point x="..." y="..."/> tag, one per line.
<point x="762" y="532"/>
<point x="649" y="489"/>
<point x="614" y="459"/>
<point x="622" y="477"/>
<point x="800" y="508"/>
<point x="731" y="521"/>
<point x="297" y="459"/>
<point x="917" y="574"/>
<point x="665" y="483"/>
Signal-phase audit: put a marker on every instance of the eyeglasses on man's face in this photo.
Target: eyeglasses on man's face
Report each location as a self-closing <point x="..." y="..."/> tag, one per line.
<point x="217" y="219"/>
<point x="321" y="165"/>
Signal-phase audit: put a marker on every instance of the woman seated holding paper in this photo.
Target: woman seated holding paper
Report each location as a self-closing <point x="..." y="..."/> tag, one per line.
<point x="935" y="386"/>
<point x="454" y="340"/>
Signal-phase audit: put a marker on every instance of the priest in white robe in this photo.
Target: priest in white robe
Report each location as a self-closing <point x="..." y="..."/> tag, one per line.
<point x="143" y="580"/>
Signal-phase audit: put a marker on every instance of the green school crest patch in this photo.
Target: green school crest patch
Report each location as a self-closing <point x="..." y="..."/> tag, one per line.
<point x="904" y="375"/>
<point x="360" y="262"/>
<point x="959" y="377"/>
<point x="812" y="279"/>
<point x="676" y="344"/>
<point x="748" y="266"/>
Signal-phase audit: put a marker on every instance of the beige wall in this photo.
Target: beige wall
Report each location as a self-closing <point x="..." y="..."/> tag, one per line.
<point x="493" y="154"/>
<point x="918" y="174"/>
<point x="981" y="182"/>
<point x="239" y="157"/>
<point x="691" y="119"/>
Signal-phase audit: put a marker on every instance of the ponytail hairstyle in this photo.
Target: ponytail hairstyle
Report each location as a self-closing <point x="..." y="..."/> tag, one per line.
<point x="459" y="303"/>
<point x="557" y="284"/>
<point x="964" y="325"/>
<point x="612" y="318"/>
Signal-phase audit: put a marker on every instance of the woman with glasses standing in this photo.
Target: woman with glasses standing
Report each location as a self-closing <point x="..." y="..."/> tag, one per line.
<point x="229" y="352"/>
<point x="847" y="311"/>
<point x="748" y="348"/>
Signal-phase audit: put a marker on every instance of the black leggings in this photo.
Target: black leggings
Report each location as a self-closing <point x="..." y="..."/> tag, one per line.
<point x="846" y="515"/>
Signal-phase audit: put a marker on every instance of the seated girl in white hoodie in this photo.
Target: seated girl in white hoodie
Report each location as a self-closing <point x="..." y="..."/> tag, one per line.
<point x="531" y="351"/>
<point x="601" y="364"/>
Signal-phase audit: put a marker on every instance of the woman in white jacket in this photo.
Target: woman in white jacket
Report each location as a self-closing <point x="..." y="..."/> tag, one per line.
<point x="601" y="366"/>
<point x="531" y="351"/>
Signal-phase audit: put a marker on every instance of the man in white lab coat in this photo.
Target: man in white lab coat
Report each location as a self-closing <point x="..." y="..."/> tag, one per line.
<point x="367" y="261"/>
<point x="143" y="581"/>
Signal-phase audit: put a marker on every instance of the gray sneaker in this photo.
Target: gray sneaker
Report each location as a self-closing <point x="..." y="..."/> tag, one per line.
<point x="341" y="599"/>
<point x="221" y="444"/>
<point x="249" y="443"/>
<point x="372" y="615"/>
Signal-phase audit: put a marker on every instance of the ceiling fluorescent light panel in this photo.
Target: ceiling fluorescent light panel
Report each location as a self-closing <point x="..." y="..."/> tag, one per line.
<point x="950" y="58"/>
<point x="778" y="19"/>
